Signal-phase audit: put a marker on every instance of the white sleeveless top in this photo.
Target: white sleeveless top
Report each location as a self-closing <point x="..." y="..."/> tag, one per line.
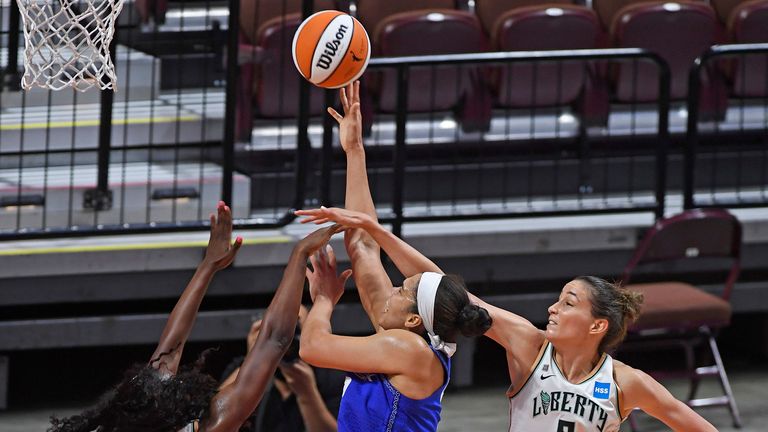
<point x="547" y="402"/>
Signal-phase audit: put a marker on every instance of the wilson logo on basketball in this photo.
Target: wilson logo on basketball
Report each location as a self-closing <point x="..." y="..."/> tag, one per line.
<point x="321" y="46"/>
<point x="331" y="48"/>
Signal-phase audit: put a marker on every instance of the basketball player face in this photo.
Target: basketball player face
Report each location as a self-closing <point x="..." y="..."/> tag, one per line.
<point x="570" y="318"/>
<point x="401" y="302"/>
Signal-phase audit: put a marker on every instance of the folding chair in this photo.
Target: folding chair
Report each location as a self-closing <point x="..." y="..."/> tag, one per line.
<point x="680" y="314"/>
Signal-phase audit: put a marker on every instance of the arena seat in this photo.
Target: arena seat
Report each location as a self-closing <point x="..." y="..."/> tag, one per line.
<point x="430" y="89"/>
<point x="749" y="24"/>
<point x="372" y="12"/>
<point x="677" y="314"/>
<point x="267" y="72"/>
<point x="678" y="32"/>
<point x="489" y="11"/>
<point x="255" y="13"/>
<point x="535" y="28"/>
<point x="725" y="8"/>
<point x="606" y="10"/>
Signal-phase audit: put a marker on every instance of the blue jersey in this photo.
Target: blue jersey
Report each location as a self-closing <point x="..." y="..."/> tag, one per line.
<point x="372" y="404"/>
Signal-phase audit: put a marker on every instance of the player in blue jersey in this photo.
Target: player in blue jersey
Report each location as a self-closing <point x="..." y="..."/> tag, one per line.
<point x="396" y="376"/>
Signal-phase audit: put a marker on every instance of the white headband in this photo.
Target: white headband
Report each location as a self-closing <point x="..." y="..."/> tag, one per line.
<point x="425" y="299"/>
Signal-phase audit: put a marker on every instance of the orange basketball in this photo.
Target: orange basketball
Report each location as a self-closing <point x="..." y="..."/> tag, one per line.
<point x="331" y="49"/>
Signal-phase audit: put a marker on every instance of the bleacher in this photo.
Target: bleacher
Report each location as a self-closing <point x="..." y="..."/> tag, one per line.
<point x="526" y="144"/>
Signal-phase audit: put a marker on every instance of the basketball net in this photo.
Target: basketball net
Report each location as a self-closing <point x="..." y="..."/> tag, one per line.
<point x="67" y="43"/>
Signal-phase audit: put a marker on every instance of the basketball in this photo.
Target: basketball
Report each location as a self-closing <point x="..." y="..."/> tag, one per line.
<point x="331" y="49"/>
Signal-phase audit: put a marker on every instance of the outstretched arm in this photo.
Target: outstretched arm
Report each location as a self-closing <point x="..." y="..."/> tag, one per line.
<point x="516" y="334"/>
<point x="521" y="339"/>
<point x="233" y="404"/>
<point x="640" y="390"/>
<point x="219" y="254"/>
<point x="372" y="281"/>
<point x="358" y="193"/>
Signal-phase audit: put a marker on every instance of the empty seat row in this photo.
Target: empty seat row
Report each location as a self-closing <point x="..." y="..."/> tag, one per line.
<point x="371" y="12"/>
<point x="679" y="32"/>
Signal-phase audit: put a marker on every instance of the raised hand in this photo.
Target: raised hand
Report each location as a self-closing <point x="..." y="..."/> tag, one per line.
<point x="317" y="239"/>
<point x="221" y="251"/>
<point x="323" y="279"/>
<point x="351" y="124"/>
<point x="344" y="217"/>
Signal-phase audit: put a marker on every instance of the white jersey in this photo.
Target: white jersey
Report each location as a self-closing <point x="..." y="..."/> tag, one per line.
<point x="547" y="402"/>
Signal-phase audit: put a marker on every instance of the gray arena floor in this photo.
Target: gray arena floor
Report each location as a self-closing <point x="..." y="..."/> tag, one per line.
<point x="485" y="409"/>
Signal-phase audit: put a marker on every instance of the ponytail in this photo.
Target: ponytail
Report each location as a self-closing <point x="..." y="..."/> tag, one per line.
<point x="473" y="320"/>
<point x="454" y="314"/>
<point x="617" y="304"/>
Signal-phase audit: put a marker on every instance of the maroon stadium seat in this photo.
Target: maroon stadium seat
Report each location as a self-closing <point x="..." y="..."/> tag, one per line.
<point x="437" y="32"/>
<point x="607" y="9"/>
<point x="254" y="13"/>
<point x="679" y="314"/>
<point x="276" y="80"/>
<point x="749" y="24"/>
<point x="678" y="32"/>
<point x="372" y="12"/>
<point x="489" y="11"/>
<point x="267" y="72"/>
<point x="724" y="8"/>
<point x="547" y="27"/>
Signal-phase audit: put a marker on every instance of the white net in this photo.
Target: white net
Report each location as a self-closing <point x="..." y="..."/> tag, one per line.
<point x="67" y="43"/>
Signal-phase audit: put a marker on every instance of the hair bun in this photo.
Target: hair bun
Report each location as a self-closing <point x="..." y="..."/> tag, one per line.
<point x="473" y="320"/>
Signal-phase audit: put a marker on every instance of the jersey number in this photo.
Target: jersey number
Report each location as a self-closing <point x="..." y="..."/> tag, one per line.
<point x="566" y="426"/>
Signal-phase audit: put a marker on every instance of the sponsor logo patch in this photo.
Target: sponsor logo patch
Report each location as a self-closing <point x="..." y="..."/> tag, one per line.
<point x="602" y="390"/>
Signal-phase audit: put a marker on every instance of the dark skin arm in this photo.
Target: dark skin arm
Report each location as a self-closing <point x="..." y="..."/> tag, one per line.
<point x="233" y="404"/>
<point x="218" y="255"/>
<point x="300" y="381"/>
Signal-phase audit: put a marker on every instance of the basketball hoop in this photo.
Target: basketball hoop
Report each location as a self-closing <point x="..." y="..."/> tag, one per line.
<point x="67" y="43"/>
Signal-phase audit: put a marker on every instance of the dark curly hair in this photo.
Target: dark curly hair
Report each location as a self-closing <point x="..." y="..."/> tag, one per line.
<point x="145" y="401"/>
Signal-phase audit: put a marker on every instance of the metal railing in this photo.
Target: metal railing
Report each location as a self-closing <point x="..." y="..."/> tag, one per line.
<point x="155" y="155"/>
<point x="171" y="147"/>
<point x="726" y="153"/>
<point x="508" y="167"/>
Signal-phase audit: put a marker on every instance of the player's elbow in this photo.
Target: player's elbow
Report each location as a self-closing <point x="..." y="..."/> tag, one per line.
<point x="359" y="242"/>
<point x="279" y="337"/>
<point x="310" y="350"/>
